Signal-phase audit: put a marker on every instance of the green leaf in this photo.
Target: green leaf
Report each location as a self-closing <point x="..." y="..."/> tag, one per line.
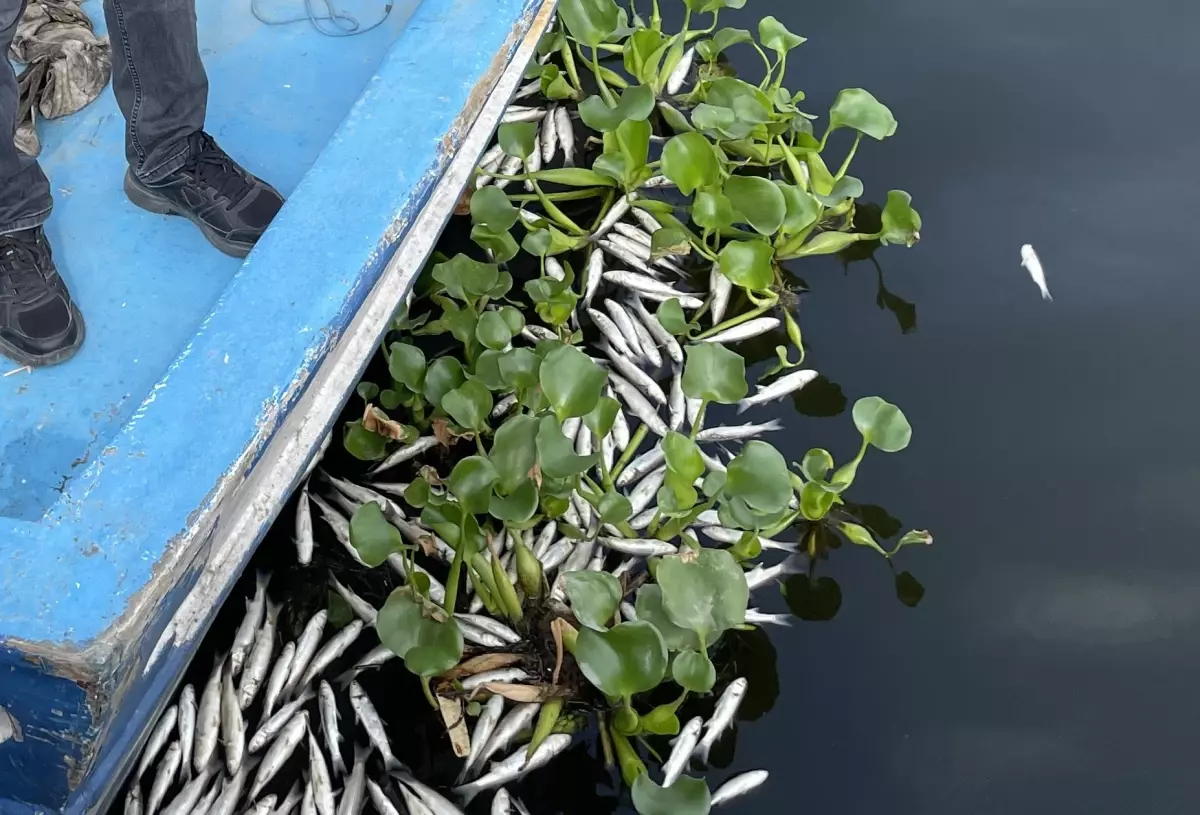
<point x="465" y="278"/>
<point x="914" y="537"/>
<point x="759" y="476"/>
<point x="843" y="188"/>
<point x="554" y="84"/>
<point x="417" y="493"/>
<point x="591" y="22"/>
<point x="712" y="210"/>
<point x="406" y="364"/>
<point x="714" y="373"/>
<point x="362" y="443"/>
<point x="492" y="331"/>
<point x="748" y="264"/>
<point x="687" y="796"/>
<point x="372" y="536"/>
<point x="683" y="456"/>
<point x="391" y="399"/>
<point x="471" y="483"/>
<point x="643" y="54"/>
<point x="469" y="405"/>
<point x="594" y="597"/>
<point x="860" y="536"/>
<point x="650" y="609"/>
<point x="858" y="109"/>
<point x="537" y="242"/>
<point x="517" y="507"/>
<point x="500" y="243"/>
<point x="661" y="721"/>
<point x="669" y="241"/>
<point x="829" y="243"/>
<point x="572" y="177"/>
<point x="487" y="370"/>
<point x="759" y="202"/>
<point x="491" y="207"/>
<point x="816" y="501"/>
<point x="514" y="451"/>
<point x="627" y="659"/>
<point x="674" y="118"/>
<point x="775" y="35"/>
<point x="882" y="424"/>
<point x="816" y="464"/>
<point x="518" y="139"/>
<point x="557" y="454"/>
<point x="720" y="122"/>
<point x="901" y="223"/>
<point x="694" y="671"/>
<point x="427" y="646"/>
<point x="614" y="508"/>
<point x="690" y="161"/>
<point x="704" y="591"/>
<point x="601" y="418"/>
<point x="367" y="391"/>
<point x="519" y="368"/>
<point x="802" y="208"/>
<point x="635" y="102"/>
<point x="571" y="381"/>
<point x="709" y="50"/>
<point x="670" y="315"/>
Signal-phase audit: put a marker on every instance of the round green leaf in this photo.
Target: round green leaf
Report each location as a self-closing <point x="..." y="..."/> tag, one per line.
<point x="704" y="591"/>
<point x="492" y="331"/>
<point x="372" y="536"/>
<point x="650" y="609"/>
<point x="594" y="597"/>
<point x="627" y="659"/>
<point x="487" y="370"/>
<point x="466" y="278"/>
<point x="845" y="187"/>
<point x="690" y="161"/>
<point x="816" y="464"/>
<point x="362" y="443"/>
<point x="670" y="316"/>
<point x="601" y="418"/>
<point x="513" y="318"/>
<point x="687" y="796"/>
<point x="759" y="476"/>
<point x="802" y="209"/>
<point x="428" y="647"/>
<point x="709" y="50"/>
<point x="571" y="381"/>
<point x="816" y="501"/>
<point x="669" y="241"/>
<point x="683" y="456"/>
<point x="712" y="211"/>
<point x="714" y="373"/>
<point x="591" y="22"/>
<point x="537" y="242"/>
<point x="517" y="507"/>
<point x="775" y="35"/>
<point x="901" y="223"/>
<point x="556" y="453"/>
<point x="720" y="122"/>
<point x="514" y="451"/>
<point x="758" y="200"/>
<point x="614" y="508"/>
<point x="748" y="264"/>
<point x="417" y="493"/>
<point x="635" y="104"/>
<point x="519" y="368"/>
<point x="858" y="109"/>
<point x="367" y="391"/>
<point x="471" y="483"/>
<point x="469" y="405"/>
<point x="491" y="207"/>
<point x="518" y="139"/>
<point x="882" y="424"/>
<point x="498" y="241"/>
<point x="694" y="671"/>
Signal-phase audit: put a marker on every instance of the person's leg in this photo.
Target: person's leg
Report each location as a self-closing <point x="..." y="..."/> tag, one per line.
<point x="39" y="324"/>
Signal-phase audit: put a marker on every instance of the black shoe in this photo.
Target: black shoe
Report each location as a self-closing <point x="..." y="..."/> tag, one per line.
<point x="231" y="207"/>
<point x="39" y="323"/>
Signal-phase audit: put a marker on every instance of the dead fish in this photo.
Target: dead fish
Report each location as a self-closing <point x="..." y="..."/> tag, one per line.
<point x="233" y="728"/>
<point x="356" y="785"/>
<point x="185" y="801"/>
<point x="528" y="89"/>
<point x="318" y="772"/>
<point x="610" y="331"/>
<point x="278" y="678"/>
<point x="304" y="528"/>
<point x="362" y="495"/>
<point x="164" y="778"/>
<point x="332" y="650"/>
<point x="406" y="453"/>
<point x="756" y="617"/>
<point x="570" y="428"/>
<point x="566" y="135"/>
<point x="683" y="746"/>
<point x="280" y="751"/>
<point x="638" y="404"/>
<point x="373" y="659"/>
<point x="556" y="555"/>
<point x="648" y="461"/>
<point x="784" y="386"/>
<point x="361" y="608"/>
<point x="624" y="323"/>
<point x="676" y="402"/>
<point x="608" y="452"/>
<point x="255" y="609"/>
<point x="379" y="799"/>
<point x="628" y="611"/>
<point x="511" y="166"/>
<point x="619" y="208"/>
<point x="761" y="575"/>
<point x="647" y="342"/>
<point x="620" y="429"/>
<point x="537" y="333"/>
<point x="533" y="163"/>
<point x="279" y="720"/>
<point x="1033" y="265"/>
<point x="549" y="135"/>
<point x="260" y="658"/>
<point x="515" y="766"/>
<point x="595" y="273"/>
<point x="631" y="257"/>
<point x="291" y="800"/>
<point x="498" y="675"/>
<point x="634" y="233"/>
<point x="365" y="712"/>
<point x="262" y="807"/>
<point x="656" y="329"/>
<point x="529" y="115"/>
<point x="737" y="432"/>
<point x="205" y="804"/>
<point x="647" y="489"/>
<point x="433" y="801"/>
<point x="583" y="442"/>
<point x="679" y="75"/>
<point x="638" y="547"/>
<point x="738" y="785"/>
<point x="639" y="378"/>
<point x="727" y="706"/>
<point x="484" y="728"/>
<point x="504" y="406"/>
<point x="133" y="798"/>
<point x="327" y="706"/>
<point x="306" y="646"/>
<point x="187" y="728"/>
<point x="720" y="288"/>
<point x="745" y="331"/>
<point x="493" y="626"/>
<point x="158" y="739"/>
<point x="477" y="636"/>
<point x="517" y="719"/>
<point x="635" y="247"/>
<point x="721" y="534"/>
<point x="545" y="538"/>
<point x="412" y="804"/>
<point x="208" y="718"/>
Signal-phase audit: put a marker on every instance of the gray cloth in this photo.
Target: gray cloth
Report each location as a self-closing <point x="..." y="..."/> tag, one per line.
<point x="67" y="65"/>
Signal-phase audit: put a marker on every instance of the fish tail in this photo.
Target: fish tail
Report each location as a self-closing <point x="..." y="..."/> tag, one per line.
<point x="743" y="406"/>
<point x="1046" y="295"/>
<point x="701" y="752"/>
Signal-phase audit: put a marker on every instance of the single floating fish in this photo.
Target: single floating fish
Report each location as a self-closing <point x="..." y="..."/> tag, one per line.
<point x="683" y="746"/>
<point x="727" y="707"/>
<point x="187" y="728"/>
<point x="208" y="718"/>
<point x="747" y="330"/>
<point x="158" y="739"/>
<point x="278" y="678"/>
<point x="739" y="785"/>
<point x="679" y="75"/>
<point x="280" y="751"/>
<point x="255" y="609"/>
<point x="327" y="706"/>
<point x="784" y="386"/>
<point x="365" y="712"/>
<point x="756" y="617"/>
<point x="1033" y="265"/>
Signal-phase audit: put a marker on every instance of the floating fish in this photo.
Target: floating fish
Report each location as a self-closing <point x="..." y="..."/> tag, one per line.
<point x="365" y="712"/>
<point x="273" y="726"/>
<point x="681" y="752"/>
<point x="332" y="650"/>
<point x="747" y="330"/>
<point x="566" y="135"/>
<point x="515" y="766"/>
<point x="187" y="729"/>
<point x="638" y="404"/>
<point x="720" y="288"/>
<point x="727" y="707"/>
<point x="484" y="727"/>
<point x="649" y="287"/>
<point x="737" y="432"/>
<point x="650" y="460"/>
<point x="549" y="140"/>
<point x="739" y="785"/>
<point x="322" y="784"/>
<point x="761" y="575"/>
<point x="259" y="660"/>
<point x="616" y="213"/>
<point x="1033" y="265"/>
<point x="639" y="547"/>
<point x="354" y="793"/>
<point x="498" y="675"/>
<point x="158" y="739"/>
<point x="304" y="528"/>
<point x="278" y="678"/>
<point x="610" y="331"/>
<point x="164" y="778"/>
<point x="280" y="751"/>
<point x="784" y="386"/>
<point x="251" y="622"/>
<point x="647" y="489"/>
<point x="306" y="647"/>
<point x="756" y="617"/>
<point x="327" y="707"/>
<point x="657" y="330"/>
<point x="233" y="727"/>
<point x="639" y="378"/>
<point x="679" y="75"/>
<point x="208" y="718"/>
<point x="379" y="799"/>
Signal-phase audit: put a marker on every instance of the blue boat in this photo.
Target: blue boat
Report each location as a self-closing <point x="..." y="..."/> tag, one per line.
<point x="137" y="479"/>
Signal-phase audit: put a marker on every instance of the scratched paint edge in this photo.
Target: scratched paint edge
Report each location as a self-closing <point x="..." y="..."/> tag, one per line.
<point x="266" y="490"/>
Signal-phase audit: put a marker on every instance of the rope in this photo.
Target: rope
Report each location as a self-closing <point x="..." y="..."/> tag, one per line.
<point x="333" y="23"/>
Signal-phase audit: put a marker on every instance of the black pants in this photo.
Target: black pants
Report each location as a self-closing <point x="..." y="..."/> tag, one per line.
<point x="160" y="86"/>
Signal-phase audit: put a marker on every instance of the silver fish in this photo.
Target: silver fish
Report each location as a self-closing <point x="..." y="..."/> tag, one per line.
<point x="291" y="800"/>
<point x="583" y="442"/>
<point x="396" y="489"/>
<point x="745" y="331"/>
<point x="647" y="489"/>
<point x="187" y="728"/>
<point x="406" y="453"/>
<point x="712" y="462"/>
<point x="634" y="233"/>
<point x="738" y="785"/>
<point x="545" y="538"/>
<point x="722" y="534"/>
<point x="231" y="793"/>
<point x="737" y="432"/>
<point x="516" y="766"/>
<point x="623" y="253"/>
<point x="365" y="712"/>
<point x="566" y="135"/>
<point x="233" y="727"/>
<point x="278" y="678"/>
<point x="595" y="273"/>
<point x="158" y="739"/>
<point x="570" y="428"/>
<point x="280" y="719"/>
<point x="498" y="675"/>
<point x="208" y="718"/>
<point x="549" y="135"/>
<point x="484" y="728"/>
<point x="255" y="609"/>
<point x="683" y="746"/>
<point x="1033" y="265"/>
<point x="361" y="608"/>
<point x="556" y="555"/>
<point x="608" y="452"/>
<point x="647" y="342"/>
<point x="756" y="617"/>
<point x="434" y="802"/>
<point x="308" y="804"/>
<point x="322" y="784"/>
<point x="639" y="250"/>
<point x="720" y="288"/>
<point x="642" y="519"/>
<point x="648" y="461"/>
<point x="679" y="75"/>
<point x="412" y="804"/>
<point x="638" y="404"/>
<point x="493" y="156"/>
<point x="639" y="378"/>
<point x="332" y="650"/>
<point x="676" y="402"/>
<point x="304" y="528"/>
<point x="624" y="323"/>
<point x="639" y="547"/>
<point x="504" y="406"/>
<point x="647" y="220"/>
<point x="187" y="798"/>
<point x="693" y="410"/>
<point x="528" y="89"/>
<point x="727" y="707"/>
<point x="656" y="329"/>
<point x="596" y="564"/>
<point x="306" y="646"/>
<point x="327" y="706"/>
<point x="361" y="495"/>
<point x="511" y="166"/>
<point x="205" y="804"/>
<point x="356" y="785"/>
<point x="280" y="751"/>
<point x="164" y="778"/>
<point x="657" y="182"/>
<point x="477" y="636"/>
<point x="494" y="626"/>
<point x="514" y="114"/>
<point x="616" y="213"/>
<point x="533" y="163"/>
<point x="537" y="333"/>
<point x="628" y="611"/>
<point x="260" y="658"/>
<point x="379" y="799"/>
<point x="620" y="429"/>
<point x="610" y="331"/>
<point x="502" y="803"/>
<point x="517" y="719"/>
<point x="761" y="575"/>
<point x="133" y="799"/>
<point x="374" y="658"/>
<point x="263" y="806"/>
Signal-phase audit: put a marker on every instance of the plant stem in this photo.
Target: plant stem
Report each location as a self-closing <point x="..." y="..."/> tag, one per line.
<point x="606" y="741"/>
<point x="428" y="693"/>
<point x="849" y="157"/>
<point x="766" y="60"/>
<point x="793" y="164"/>
<point x="635" y="442"/>
<point x="699" y="423"/>
<point x="655" y="16"/>
<point x="605" y="91"/>
<point x="569" y="64"/>
<point x="452" y="580"/>
<point x="735" y="321"/>
<point x="569" y="195"/>
<point x="554" y="212"/>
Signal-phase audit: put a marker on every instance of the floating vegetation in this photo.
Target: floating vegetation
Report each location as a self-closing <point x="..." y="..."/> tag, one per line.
<point x="552" y="499"/>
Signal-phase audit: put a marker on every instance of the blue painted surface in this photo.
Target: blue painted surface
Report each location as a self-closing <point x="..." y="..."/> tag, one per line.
<point x="193" y="361"/>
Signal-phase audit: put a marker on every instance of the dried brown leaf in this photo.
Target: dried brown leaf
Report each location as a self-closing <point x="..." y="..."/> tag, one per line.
<point x="481" y="663"/>
<point x="456" y="725"/>
<point x="376" y="421"/>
